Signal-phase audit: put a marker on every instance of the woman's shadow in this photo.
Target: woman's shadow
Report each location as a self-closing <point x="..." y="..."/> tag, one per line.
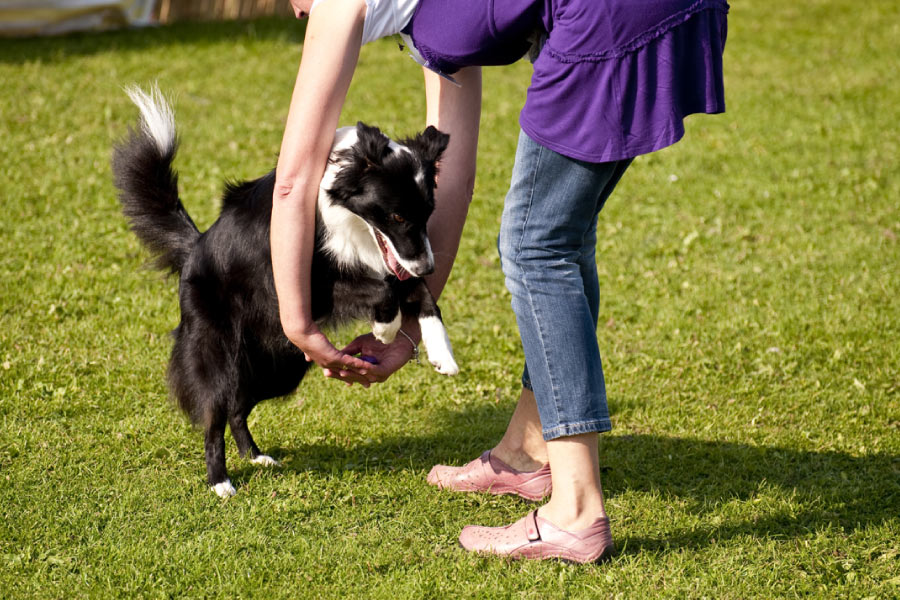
<point x="826" y="488"/>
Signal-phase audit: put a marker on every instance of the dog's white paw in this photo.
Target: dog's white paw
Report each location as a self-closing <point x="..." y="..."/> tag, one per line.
<point x="386" y="332"/>
<point x="446" y="366"/>
<point x="265" y="460"/>
<point x="383" y="337"/>
<point x="441" y="358"/>
<point x="224" y="489"/>
<point x="437" y="345"/>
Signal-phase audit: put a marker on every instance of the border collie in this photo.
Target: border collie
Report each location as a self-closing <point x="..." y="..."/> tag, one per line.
<point x="371" y="250"/>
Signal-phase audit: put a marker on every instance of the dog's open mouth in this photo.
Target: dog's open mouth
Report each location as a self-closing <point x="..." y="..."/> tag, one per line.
<point x="390" y="259"/>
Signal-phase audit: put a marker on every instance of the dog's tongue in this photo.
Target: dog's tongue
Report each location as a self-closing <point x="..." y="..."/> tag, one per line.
<point x="390" y="260"/>
<point x="401" y="273"/>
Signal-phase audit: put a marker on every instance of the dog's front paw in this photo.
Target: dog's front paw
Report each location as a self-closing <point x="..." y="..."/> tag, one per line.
<point x="385" y="337"/>
<point x="446" y="367"/>
<point x="265" y="460"/>
<point x="386" y="332"/>
<point x="224" y="489"/>
<point x="437" y="345"/>
<point x="443" y="362"/>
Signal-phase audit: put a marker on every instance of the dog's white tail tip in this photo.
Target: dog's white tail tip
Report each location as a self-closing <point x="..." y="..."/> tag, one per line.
<point x="157" y="117"/>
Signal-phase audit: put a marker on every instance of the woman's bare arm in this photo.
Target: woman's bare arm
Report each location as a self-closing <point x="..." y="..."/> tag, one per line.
<point x="330" y="53"/>
<point x="455" y="110"/>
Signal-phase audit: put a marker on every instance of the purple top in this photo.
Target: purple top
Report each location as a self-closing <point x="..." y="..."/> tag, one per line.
<point x="614" y="78"/>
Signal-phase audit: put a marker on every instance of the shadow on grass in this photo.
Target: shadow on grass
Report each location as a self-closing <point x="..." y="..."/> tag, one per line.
<point x="821" y="489"/>
<point x="817" y="490"/>
<point x="49" y="49"/>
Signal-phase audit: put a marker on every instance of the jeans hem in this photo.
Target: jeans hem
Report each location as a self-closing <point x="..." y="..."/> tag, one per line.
<point x="600" y="426"/>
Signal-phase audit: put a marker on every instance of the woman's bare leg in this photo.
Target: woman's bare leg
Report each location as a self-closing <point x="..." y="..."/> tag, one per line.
<point x="523" y="447"/>
<point x="577" y="499"/>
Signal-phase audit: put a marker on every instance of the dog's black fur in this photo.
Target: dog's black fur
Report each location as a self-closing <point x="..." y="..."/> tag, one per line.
<point x="230" y="351"/>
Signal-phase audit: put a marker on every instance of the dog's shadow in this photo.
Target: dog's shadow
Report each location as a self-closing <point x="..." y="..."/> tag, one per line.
<point x="827" y="488"/>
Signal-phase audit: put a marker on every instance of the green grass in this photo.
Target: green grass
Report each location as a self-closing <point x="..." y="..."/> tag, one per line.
<point x="749" y="328"/>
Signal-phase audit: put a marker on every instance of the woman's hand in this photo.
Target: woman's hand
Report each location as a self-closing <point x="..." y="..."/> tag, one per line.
<point x="391" y="357"/>
<point x="336" y="364"/>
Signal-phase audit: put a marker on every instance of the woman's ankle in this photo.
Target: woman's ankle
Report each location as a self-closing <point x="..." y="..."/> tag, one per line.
<point x="572" y="516"/>
<point x="518" y="457"/>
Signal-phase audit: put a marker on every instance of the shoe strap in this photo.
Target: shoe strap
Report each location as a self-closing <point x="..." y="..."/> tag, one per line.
<point x="531" y="528"/>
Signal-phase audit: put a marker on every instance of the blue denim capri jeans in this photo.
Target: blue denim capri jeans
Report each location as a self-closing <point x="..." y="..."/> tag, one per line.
<point x="547" y="243"/>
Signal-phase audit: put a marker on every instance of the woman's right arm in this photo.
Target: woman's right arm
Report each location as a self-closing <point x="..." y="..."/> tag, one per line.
<point x="453" y="109"/>
<point x="330" y="53"/>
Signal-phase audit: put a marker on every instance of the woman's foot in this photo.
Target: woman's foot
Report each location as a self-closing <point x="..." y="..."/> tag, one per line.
<point x="537" y="538"/>
<point x="488" y="473"/>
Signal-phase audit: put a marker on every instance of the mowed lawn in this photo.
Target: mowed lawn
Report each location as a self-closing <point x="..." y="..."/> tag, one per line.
<point x="750" y="317"/>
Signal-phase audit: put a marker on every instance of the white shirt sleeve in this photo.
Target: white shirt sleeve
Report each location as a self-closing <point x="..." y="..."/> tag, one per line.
<point x="383" y="17"/>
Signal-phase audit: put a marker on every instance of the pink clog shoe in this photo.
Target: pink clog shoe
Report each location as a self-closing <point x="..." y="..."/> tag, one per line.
<point x="534" y="537"/>
<point x="489" y="474"/>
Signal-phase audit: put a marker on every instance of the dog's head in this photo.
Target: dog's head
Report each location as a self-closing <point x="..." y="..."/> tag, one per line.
<point x="390" y="187"/>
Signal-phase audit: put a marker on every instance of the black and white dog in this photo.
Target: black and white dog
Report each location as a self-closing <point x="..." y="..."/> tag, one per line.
<point x="371" y="251"/>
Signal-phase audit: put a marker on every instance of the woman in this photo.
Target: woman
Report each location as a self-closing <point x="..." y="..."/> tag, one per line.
<point x="612" y="79"/>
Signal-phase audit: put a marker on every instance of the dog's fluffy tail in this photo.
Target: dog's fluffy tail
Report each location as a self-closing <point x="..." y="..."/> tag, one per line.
<point x="148" y="186"/>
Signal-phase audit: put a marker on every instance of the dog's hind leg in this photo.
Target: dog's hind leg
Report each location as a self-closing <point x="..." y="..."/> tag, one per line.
<point x="246" y="446"/>
<point x="214" y="446"/>
<point x="208" y="397"/>
<point x="200" y="380"/>
<point x="203" y="371"/>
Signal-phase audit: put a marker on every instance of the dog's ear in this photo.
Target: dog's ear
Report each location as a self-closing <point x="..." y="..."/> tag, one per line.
<point x="371" y="144"/>
<point x="430" y="144"/>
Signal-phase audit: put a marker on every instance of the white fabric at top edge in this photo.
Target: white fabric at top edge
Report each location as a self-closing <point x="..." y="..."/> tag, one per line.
<point x="383" y="17"/>
<point x="51" y="17"/>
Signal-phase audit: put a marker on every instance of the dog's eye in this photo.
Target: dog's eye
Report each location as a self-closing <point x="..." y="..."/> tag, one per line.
<point x="398" y="218"/>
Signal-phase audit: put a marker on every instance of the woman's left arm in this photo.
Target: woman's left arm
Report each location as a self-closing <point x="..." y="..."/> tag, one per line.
<point x="456" y="110"/>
